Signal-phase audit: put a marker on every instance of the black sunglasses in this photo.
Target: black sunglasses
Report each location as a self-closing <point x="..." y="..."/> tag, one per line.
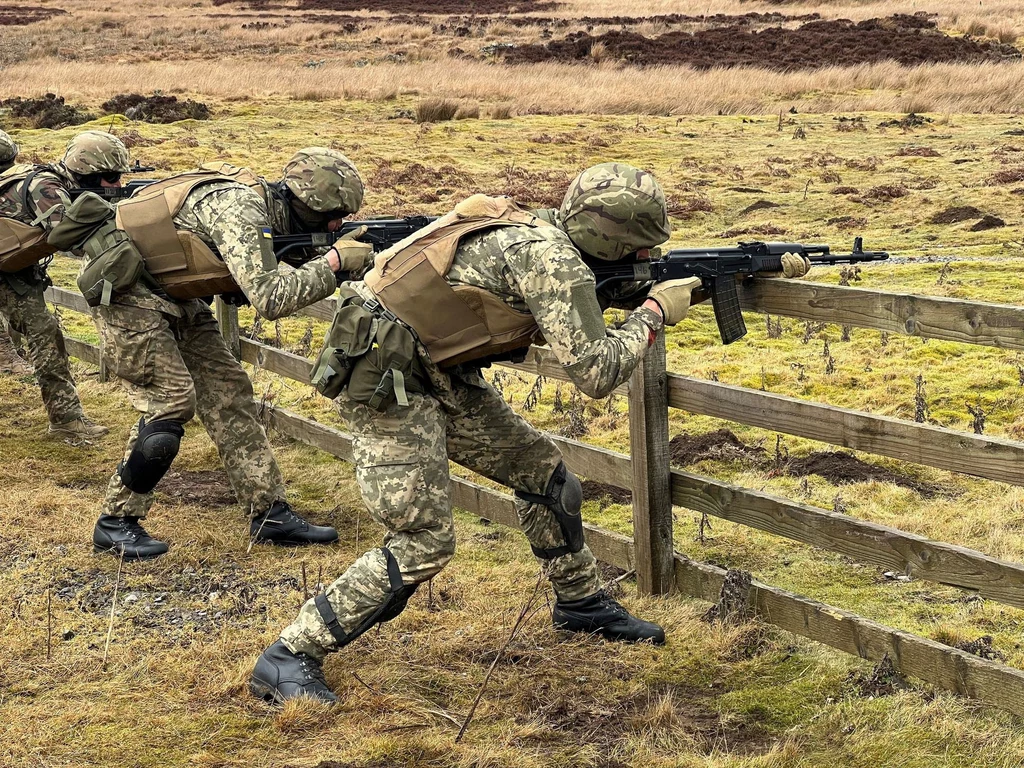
<point x="93" y="179"/>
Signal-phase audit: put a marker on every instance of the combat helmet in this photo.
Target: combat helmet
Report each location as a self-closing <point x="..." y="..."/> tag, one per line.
<point x="96" y="152"/>
<point x="613" y="209"/>
<point x="324" y="180"/>
<point x="8" y="150"/>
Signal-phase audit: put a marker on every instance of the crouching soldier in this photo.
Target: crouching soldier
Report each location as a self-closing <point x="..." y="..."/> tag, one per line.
<point x="403" y="358"/>
<point x="33" y="199"/>
<point x="199" y="234"/>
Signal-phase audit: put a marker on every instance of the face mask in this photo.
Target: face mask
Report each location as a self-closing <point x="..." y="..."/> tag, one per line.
<point x="308" y="220"/>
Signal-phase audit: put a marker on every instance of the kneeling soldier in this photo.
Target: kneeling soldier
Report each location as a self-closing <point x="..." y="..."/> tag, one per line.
<point x="403" y="358"/>
<point x="200" y="234"/>
<point x="32" y="202"/>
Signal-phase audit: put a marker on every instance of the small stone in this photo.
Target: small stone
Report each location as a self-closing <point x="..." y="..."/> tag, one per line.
<point x="67" y="635"/>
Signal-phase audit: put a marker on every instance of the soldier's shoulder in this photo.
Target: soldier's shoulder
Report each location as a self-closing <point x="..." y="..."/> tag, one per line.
<point x="225" y="191"/>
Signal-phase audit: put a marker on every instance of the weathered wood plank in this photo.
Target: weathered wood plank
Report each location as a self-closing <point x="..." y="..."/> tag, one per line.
<point x="652" y="497"/>
<point x="67" y="299"/>
<point x="933" y="317"/>
<point x="83" y="350"/>
<point x="291" y="366"/>
<point x="990" y="457"/>
<point x="322" y="310"/>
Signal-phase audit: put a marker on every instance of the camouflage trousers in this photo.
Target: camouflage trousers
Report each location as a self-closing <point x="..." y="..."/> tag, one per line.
<point x="176" y="368"/>
<point x="27" y="314"/>
<point x="401" y="460"/>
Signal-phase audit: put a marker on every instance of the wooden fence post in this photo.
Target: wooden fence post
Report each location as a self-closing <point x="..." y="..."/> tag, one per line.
<point x="652" y="475"/>
<point x="227" y="318"/>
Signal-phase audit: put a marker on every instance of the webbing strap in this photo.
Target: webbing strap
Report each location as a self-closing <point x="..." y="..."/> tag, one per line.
<point x="399" y="385"/>
<point x="330" y="619"/>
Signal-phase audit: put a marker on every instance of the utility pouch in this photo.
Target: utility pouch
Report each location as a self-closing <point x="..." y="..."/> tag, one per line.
<point x="114" y="270"/>
<point x="21" y="245"/>
<point x="349" y="338"/>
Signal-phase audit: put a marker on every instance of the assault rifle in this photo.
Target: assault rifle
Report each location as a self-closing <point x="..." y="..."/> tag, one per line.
<point x="718" y="269"/>
<point x="380" y="233"/>
<point x="112" y="194"/>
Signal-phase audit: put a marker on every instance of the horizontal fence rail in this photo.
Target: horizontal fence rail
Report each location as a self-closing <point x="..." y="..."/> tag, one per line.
<point x="913" y="656"/>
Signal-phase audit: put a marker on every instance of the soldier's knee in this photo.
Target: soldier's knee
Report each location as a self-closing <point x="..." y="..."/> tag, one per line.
<point x="564" y="500"/>
<point x="186" y="410"/>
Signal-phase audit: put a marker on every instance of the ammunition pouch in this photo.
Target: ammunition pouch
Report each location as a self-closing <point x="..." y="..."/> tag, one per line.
<point x="115" y="270"/>
<point x="371" y="353"/>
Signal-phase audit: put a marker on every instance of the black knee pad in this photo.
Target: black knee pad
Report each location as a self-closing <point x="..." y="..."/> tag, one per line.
<point x="564" y="497"/>
<point x="394" y="603"/>
<point x="152" y="455"/>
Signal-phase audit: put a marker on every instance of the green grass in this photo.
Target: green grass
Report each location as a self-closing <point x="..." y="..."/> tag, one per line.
<point x="712" y="697"/>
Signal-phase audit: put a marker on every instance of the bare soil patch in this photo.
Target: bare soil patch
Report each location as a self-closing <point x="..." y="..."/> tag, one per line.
<point x="606" y="494"/>
<point x="206" y="488"/>
<point x="982" y="647"/>
<point x="722" y="444"/>
<point x="429" y="6"/>
<point x="20" y="15"/>
<point x="843" y="468"/>
<point x="157" y="108"/>
<point x="987" y="222"/>
<point x="955" y="214"/>
<point x="48" y="111"/>
<point x="909" y="40"/>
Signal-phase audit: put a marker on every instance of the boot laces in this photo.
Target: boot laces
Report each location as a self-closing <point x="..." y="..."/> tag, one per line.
<point x="133" y="528"/>
<point x="312" y="671"/>
<point x="612" y="605"/>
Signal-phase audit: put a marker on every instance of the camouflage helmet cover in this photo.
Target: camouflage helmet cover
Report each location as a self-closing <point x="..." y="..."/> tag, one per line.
<point x="8" y="148"/>
<point x="96" y="152"/>
<point x="325" y="180"/>
<point x="613" y="209"/>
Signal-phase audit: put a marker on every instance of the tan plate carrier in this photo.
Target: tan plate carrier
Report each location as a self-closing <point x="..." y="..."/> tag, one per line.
<point x="461" y="323"/>
<point x="185" y="266"/>
<point x="21" y="245"/>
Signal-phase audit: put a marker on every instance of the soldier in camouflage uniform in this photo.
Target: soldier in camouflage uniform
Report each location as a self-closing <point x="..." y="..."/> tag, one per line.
<point x="401" y="452"/>
<point x="93" y="158"/>
<point x="175" y="363"/>
<point x="10" y="360"/>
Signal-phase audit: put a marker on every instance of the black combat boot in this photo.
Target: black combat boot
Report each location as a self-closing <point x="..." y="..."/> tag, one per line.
<point x="280" y="525"/>
<point x="125" y="536"/>
<point x="602" y="615"/>
<point x="280" y="675"/>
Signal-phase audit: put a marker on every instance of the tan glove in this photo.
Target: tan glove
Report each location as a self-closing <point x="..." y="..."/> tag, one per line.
<point x="353" y="256"/>
<point x="674" y="296"/>
<point x="793" y="266"/>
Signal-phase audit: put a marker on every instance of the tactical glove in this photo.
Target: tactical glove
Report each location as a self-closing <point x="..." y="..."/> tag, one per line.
<point x="674" y="296"/>
<point x="793" y="266"/>
<point x="353" y="255"/>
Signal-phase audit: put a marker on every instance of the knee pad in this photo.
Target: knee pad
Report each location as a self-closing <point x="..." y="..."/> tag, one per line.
<point x="564" y="497"/>
<point x="152" y="455"/>
<point x="394" y="603"/>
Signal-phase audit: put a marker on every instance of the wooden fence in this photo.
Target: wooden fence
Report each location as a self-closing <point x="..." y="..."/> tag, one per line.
<point x="656" y="486"/>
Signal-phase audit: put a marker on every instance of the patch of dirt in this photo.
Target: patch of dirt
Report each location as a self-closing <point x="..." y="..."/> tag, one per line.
<point x="909" y="40"/>
<point x="841" y="468"/>
<point x="157" y="108"/>
<point x="48" y="111"/>
<point x="886" y="192"/>
<point x="883" y="680"/>
<point x="20" y="15"/>
<point x="758" y="229"/>
<point x="907" y="123"/>
<point x="205" y="488"/>
<point x="982" y="647"/>
<point x="845" y="191"/>
<point x="593" y="490"/>
<point x="428" y="6"/>
<point x="987" y="222"/>
<point x="543" y="189"/>
<point x="1007" y="176"/>
<point x="760" y="205"/>
<point x="955" y="214"/>
<point x="848" y="222"/>
<point x="722" y="444"/>
<point x="917" y="152"/>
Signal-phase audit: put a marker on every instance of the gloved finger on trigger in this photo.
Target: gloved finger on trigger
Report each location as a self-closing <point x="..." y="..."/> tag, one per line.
<point x="355" y="234"/>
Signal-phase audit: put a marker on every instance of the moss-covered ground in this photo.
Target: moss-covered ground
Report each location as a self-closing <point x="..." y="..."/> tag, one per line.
<point x="187" y="628"/>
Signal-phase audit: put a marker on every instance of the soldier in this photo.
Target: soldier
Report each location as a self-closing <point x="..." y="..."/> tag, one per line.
<point x="35" y="196"/>
<point x="10" y="360"/>
<point x="199" y="234"/>
<point x="8" y="151"/>
<point x="477" y="285"/>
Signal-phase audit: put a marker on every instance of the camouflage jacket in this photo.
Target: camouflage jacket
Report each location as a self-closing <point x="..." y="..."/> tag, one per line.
<point x="538" y="270"/>
<point x="47" y="192"/>
<point x="230" y="217"/>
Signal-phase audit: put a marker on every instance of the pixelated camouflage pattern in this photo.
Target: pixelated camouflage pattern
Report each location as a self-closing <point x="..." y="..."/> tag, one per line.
<point x="401" y="457"/>
<point x="96" y="152"/>
<point x="325" y="180"/>
<point x="27" y="314"/>
<point x="177" y="368"/>
<point x="8" y="150"/>
<point x="613" y="209"/>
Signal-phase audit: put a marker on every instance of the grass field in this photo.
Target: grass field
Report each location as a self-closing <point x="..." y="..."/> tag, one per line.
<point x="188" y="627"/>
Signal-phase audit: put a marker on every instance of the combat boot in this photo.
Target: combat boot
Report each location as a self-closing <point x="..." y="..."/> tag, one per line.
<point x="10" y="361"/>
<point x="125" y="537"/>
<point x="280" y="675"/>
<point x="83" y="428"/>
<point x="601" y="614"/>
<point x="281" y="525"/>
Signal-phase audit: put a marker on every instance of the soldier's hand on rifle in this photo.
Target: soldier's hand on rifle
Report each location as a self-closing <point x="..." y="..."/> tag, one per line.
<point x="348" y="254"/>
<point x="674" y="298"/>
<point x="794" y="266"/>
